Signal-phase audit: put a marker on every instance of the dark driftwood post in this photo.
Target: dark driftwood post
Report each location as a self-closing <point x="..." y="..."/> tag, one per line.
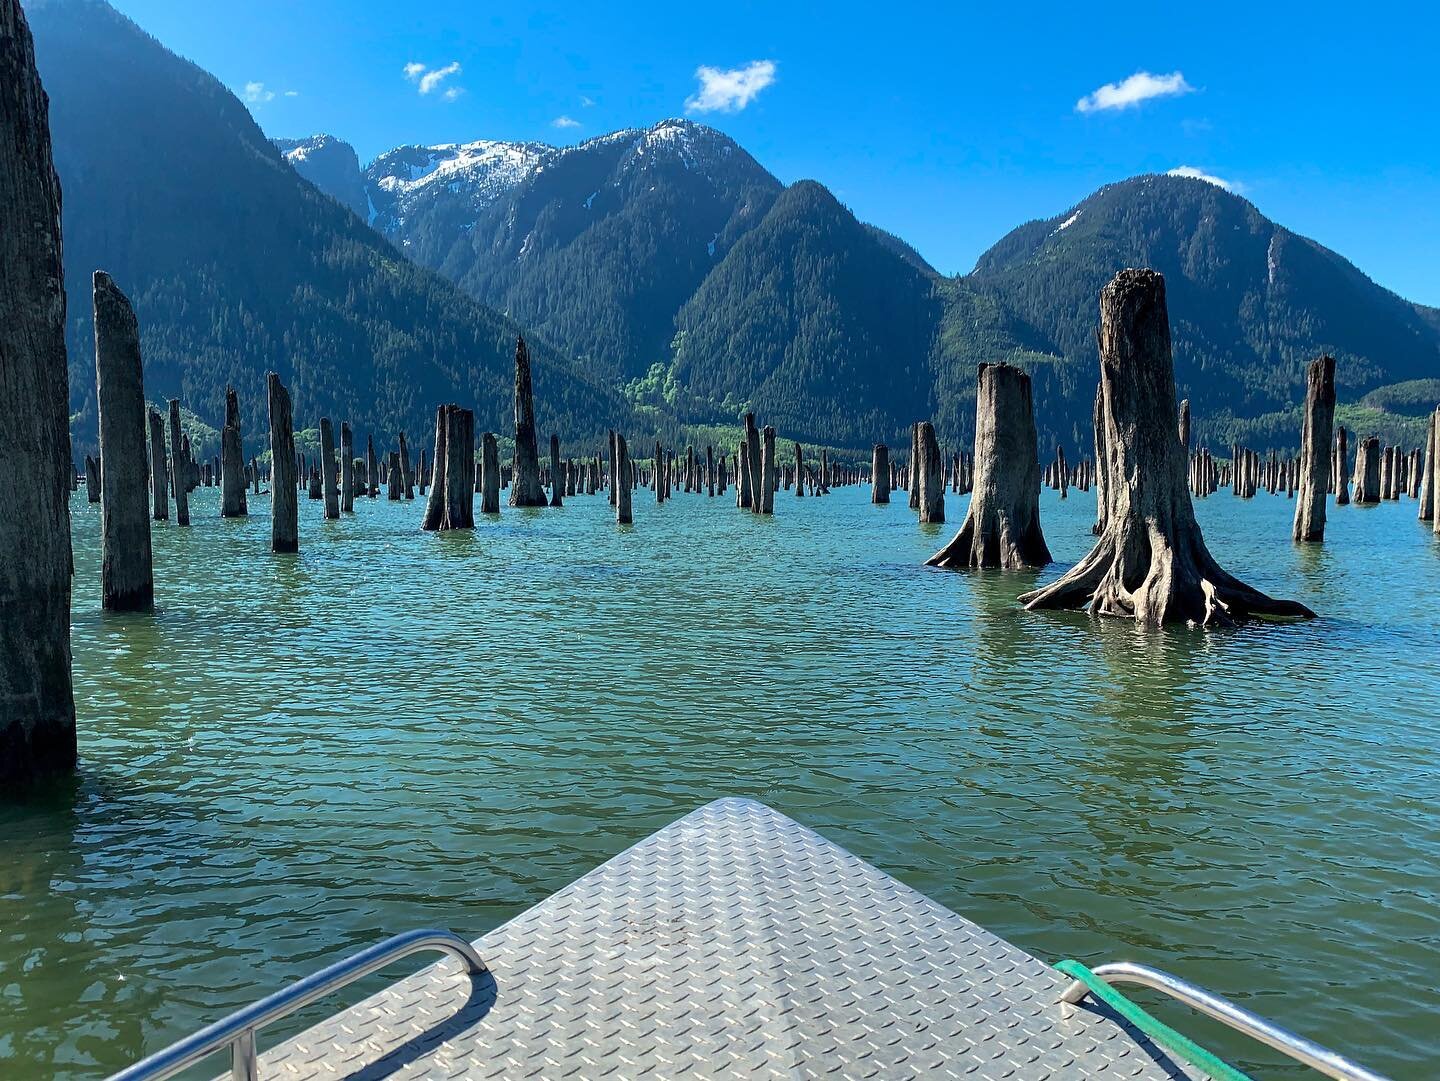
<point x="525" y="487"/>
<point x="179" y="487"/>
<point x="557" y="473"/>
<point x="284" y="498"/>
<point x="372" y="468"/>
<point x="347" y="469"/>
<point x="1002" y="525"/>
<point x="159" y="483"/>
<point x="621" y="471"/>
<point x="37" y="719"/>
<point x="127" y="575"/>
<point x="407" y="478"/>
<point x="1151" y="563"/>
<point x="1315" y="434"/>
<point x="1367" y="471"/>
<point x="328" y="469"/>
<point x="932" y="475"/>
<point x="232" y="461"/>
<point x="879" y="474"/>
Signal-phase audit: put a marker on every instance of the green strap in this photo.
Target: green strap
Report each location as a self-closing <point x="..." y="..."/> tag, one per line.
<point x="1157" y="1030"/>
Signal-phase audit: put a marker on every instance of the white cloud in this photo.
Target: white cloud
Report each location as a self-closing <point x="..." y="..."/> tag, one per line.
<point x="564" y="122"/>
<point x="429" y="79"/>
<point x="1209" y="178"/>
<point x="292" y="93"/>
<point x="730" y="91"/>
<point x="256" y="93"/>
<point x="1142" y="86"/>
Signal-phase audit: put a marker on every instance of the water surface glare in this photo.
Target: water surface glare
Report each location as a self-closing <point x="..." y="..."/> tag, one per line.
<point x="300" y="755"/>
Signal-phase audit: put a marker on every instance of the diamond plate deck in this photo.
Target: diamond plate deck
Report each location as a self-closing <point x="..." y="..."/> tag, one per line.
<point x="733" y="943"/>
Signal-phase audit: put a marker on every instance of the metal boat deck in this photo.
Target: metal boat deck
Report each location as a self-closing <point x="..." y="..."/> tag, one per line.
<point x="733" y="943"/>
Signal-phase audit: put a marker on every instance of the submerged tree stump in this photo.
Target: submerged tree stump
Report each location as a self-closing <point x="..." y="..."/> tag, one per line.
<point x="489" y="474"/>
<point x="912" y="480"/>
<point x="1315" y="436"/>
<point x="347" y="469"/>
<point x="435" y="504"/>
<point x="1367" y="471"/>
<point x="1151" y="563"/>
<point x="753" y="461"/>
<point x="372" y="469"/>
<point x="932" y="476"/>
<point x="37" y="718"/>
<point x="1426" y="494"/>
<point x="179" y="483"/>
<point x="407" y="477"/>
<point x="557" y="473"/>
<point x="458" y="509"/>
<point x="525" y="487"/>
<point x="127" y="575"/>
<point x="624" y="482"/>
<point x="742" y="474"/>
<point x="767" y="470"/>
<point x="92" y="479"/>
<point x="328" y="469"/>
<point x="159" y="482"/>
<point x="1002" y="525"/>
<point x="395" y="479"/>
<point x="232" y="461"/>
<point x="284" y="494"/>
<point x="879" y="474"/>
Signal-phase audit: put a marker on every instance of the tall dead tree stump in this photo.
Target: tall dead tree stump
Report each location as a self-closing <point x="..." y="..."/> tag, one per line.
<point x="1315" y="435"/>
<point x="284" y="479"/>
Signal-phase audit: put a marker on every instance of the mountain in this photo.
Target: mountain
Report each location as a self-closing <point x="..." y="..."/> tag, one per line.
<point x="425" y="197"/>
<point x="596" y="246"/>
<point x="331" y="165"/>
<point x="236" y="265"/>
<point x="1250" y="302"/>
<point x="815" y="322"/>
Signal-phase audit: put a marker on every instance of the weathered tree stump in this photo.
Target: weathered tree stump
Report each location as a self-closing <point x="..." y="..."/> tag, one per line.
<point x="1101" y="459"/>
<point x="766" y="501"/>
<point x="179" y="483"/>
<point x="37" y="719"/>
<point x="557" y="473"/>
<point x="92" y="479"/>
<point x="127" y="575"/>
<point x="372" y="469"/>
<point x="435" y="505"/>
<point x="458" y="510"/>
<point x="159" y="480"/>
<point x="932" y="476"/>
<point x="879" y="474"/>
<point x="328" y="468"/>
<point x="1002" y="525"/>
<point x="489" y="474"/>
<point x="742" y="474"/>
<point x="1426" y="494"/>
<point x="232" y="461"/>
<point x="284" y="495"/>
<point x="753" y="461"/>
<point x="525" y="487"/>
<point x="1367" y="471"/>
<point x="1151" y="563"/>
<point x="407" y="478"/>
<point x="1315" y="435"/>
<point x="709" y="471"/>
<point x="624" y="481"/>
<point x="395" y="479"/>
<point x="347" y="469"/>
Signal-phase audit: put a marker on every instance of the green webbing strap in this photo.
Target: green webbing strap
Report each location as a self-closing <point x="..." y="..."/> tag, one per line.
<point x="1157" y="1030"/>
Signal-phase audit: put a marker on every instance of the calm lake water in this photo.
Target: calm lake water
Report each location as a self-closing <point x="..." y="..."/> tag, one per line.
<point x="299" y="756"/>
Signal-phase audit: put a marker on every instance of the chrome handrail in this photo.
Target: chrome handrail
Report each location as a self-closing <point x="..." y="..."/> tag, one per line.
<point x="1211" y="1005"/>
<point x="238" y="1030"/>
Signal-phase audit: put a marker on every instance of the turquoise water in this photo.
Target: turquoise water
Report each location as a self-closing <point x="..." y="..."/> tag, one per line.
<point x="298" y="756"/>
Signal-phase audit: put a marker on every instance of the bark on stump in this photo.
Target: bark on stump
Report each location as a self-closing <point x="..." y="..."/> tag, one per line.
<point x="159" y="481"/>
<point x="1102" y="459"/>
<point x="458" y="509"/>
<point x="232" y="461"/>
<point x="284" y="494"/>
<point x="525" y="487"/>
<point x="489" y="474"/>
<point x="1151" y="563"/>
<point x="179" y="484"/>
<point x="328" y="468"/>
<point x="127" y="574"/>
<point x="913" y="480"/>
<point x="879" y="475"/>
<point x="932" y="476"/>
<point x="92" y="480"/>
<point x="1002" y="525"/>
<point x="1427" y="474"/>
<point x="435" y="504"/>
<point x="37" y="723"/>
<point x="1315" y="436"/>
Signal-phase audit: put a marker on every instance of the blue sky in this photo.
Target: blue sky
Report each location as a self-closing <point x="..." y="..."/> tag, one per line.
<point x="947" y="127"/>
